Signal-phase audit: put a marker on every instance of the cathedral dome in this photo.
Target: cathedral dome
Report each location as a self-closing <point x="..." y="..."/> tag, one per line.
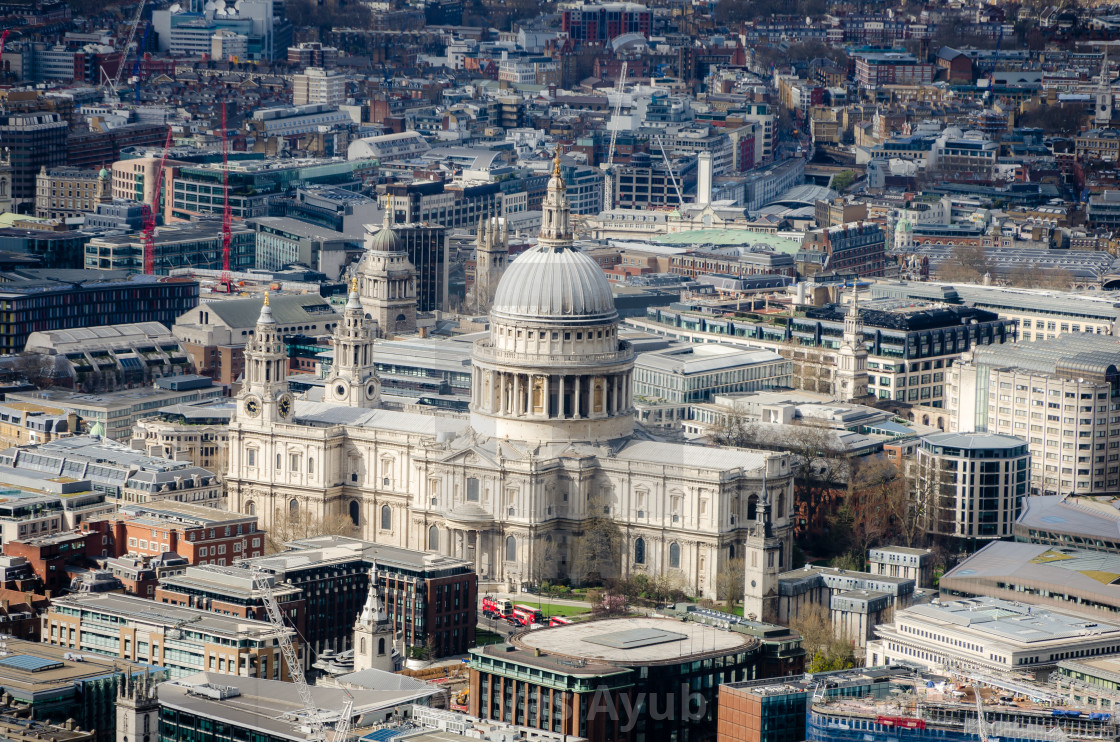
<point x="384" y="240"/>
<point x="554" y="283"/>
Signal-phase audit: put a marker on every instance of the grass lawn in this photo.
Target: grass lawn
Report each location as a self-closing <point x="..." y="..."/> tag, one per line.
<point x="555" y="610"/>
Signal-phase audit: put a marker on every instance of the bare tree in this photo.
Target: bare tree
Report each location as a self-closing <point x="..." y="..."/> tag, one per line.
<point x="40" y="369"/>
<point x="825" y="650"/>
<point x="729" y="582"/>
<point x="966" y="264"/>
<point x="289" y="525"/>
<point x="911" y="506"/>
<point x="872" y="491"/>
<point x="597" y="549"/>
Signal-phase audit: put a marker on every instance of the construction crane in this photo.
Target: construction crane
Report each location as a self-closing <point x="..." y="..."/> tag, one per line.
<point x="227" y="211"/>
<point x="608" y="183"/>
<point x="672" y="175"/>
<point x="116" y="78"/>
<point x="149" y="233"/>
<point x="139" y="58"/>
<point x="3" y="40"/>
<point x="317" y="729"/>
<point x="989" y="93"/>
<point x="981" y="728"/>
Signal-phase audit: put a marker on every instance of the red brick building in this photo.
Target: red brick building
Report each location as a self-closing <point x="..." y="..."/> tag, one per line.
<point x="49" y="556"/>
<point x="199" y="534"/>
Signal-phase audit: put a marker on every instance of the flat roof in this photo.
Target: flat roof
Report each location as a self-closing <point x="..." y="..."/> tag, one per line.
<point x="149" y="612"/>
<point x="633" y="641"/>
<point x="31" y="667"/>
<point x="1007" y="621"/>
<point x="1085" y="516"/>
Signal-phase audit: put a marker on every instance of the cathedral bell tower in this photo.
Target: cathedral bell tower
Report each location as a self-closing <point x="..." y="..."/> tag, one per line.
<point x="353" y="380"/>
<point x="762" y="563"/>
<point x="137" y="709"/>
<point x="387" y="281"/>
<point x="491" y="256"/>
<point x="264" y="398"/>
<point x="851" y="359"/>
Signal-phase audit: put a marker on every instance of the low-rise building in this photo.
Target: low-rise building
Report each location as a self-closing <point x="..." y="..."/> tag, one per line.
<point x="1069" y="520"/>
<point x="195" y="244"/>
<point x="23" y="423"/>
<point x="65" y="192"/>
<point x="201" y="535"/>
<point x="198" y="434"/>
<point x="902" y="561"/>
<point x="991" y="635"/>
<point x="182" y="640"/>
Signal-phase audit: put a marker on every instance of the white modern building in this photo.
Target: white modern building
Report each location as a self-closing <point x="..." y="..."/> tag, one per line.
<point x="317" y="85"/>
<point x="989" y="634"/>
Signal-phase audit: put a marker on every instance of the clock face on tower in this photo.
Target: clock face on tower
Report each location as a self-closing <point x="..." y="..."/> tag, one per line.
<point x="284" y="405"/>
<point x="252" y="406"/>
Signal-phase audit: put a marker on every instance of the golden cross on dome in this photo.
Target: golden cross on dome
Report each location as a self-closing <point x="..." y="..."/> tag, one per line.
<point x="266" y="298"/>
<point x="354" y="284"/>
<point x="556" y="162"/>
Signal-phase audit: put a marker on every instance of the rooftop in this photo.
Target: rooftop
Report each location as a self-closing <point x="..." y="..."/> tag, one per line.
<point x="1003" y="620"/>
<point x="633" y="641"/>
<point x="142" y="612"/>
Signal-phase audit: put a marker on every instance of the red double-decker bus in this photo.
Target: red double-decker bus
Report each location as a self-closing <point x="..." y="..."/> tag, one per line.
<point x="558" y="621"/>
<point x="527" y="615"/>
<point x="496" y="607"/>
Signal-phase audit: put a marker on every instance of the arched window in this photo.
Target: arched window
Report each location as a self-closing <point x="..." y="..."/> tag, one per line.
<point x="355" y="517"/>
<point x="386" y="518"/>
<point x="381" y="646"/>
<point x="433" y="539"/>
<point x="511" y="549"/>
<point x="640" y="551"/>
<point x="752" y="507"/>
<point x="674" y="555"/>
<point x="781" y="504"/>
<point x="293" y="506"/>
<point x="250" y="508"/>
<point x="362" y="644"/>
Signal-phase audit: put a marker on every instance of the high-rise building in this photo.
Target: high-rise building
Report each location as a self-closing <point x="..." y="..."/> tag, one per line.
<point x="598" y="24"/>
<point x="317" y="85"/>
<point x="33" y="141"/>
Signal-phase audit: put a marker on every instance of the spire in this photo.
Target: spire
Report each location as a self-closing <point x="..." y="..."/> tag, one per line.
<point x="353" y="301"/>
<point x="372" y="611"/>
<point x="266" y="313"/>
<point x="853" y="308"/>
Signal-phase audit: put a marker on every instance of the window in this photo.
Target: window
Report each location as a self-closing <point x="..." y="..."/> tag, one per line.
<point x="433" y="539"/>
<point x="354" y="513"/>
<point x="386" y="518"/>
<point x="640" y="551"/>
<point x="250" y="508"/>
<point x="293" y="506"/>
<point x="511" y="549"/>
<point x="472" y="490"/>
<point x="252" y="457"/>
<point x="310" y="465"/>
<point x="674" y="555"/>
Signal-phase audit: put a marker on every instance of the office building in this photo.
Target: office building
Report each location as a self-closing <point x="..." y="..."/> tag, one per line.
<point x="282" y="241"/>
<point x="548" y="679"/>
<point x="116" y="471"/>
<point x="57" y="687"/>
<point x="22" y="423"/>
<point x="182" y="640"/>
<point x="1063" y="578"/>
<point x="312" y="54"/>
<point x="34" y="141"/>
<point x="989" y="635"/>
<point x="182" y="245"/>
<point x="199" y="534"/>
<point x="233" y="591"/>
<point x="1059" y="395"/>
<point x="316" y="85"/>
<point x="971" y="485"/>
<point x="858" y="247"/>
<point x="35" y="300"/>
<point x="902" y="561"/>
<point x="62" y="193"/>
<point x="876" y="69"/>
<point x="430" y="599"/>
<point x="124" y="216"/>
<point x="1069" y="520"/>
<point x="599" y="24"/>
<point x="113" y="356"/>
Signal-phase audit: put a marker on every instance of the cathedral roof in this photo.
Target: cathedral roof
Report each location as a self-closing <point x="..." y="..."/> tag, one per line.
<point x="554" y="283"/>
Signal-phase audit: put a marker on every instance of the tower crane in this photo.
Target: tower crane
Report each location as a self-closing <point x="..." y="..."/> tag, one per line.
<point x="317" y="731"/>
<point x="116" y="78"/>
<point x="227" y="211"/>
<point x="608" y="182"/>
<point x="149" y="238"/>
<point x="672" y="175"/>
<point x="990" y="93"/>
<point x="139" y="57"/>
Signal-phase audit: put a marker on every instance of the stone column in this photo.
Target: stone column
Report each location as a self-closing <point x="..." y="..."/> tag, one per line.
<point x="517" y="406"/>
<point x="561" y="413"/>
<point x="575" y="397"/>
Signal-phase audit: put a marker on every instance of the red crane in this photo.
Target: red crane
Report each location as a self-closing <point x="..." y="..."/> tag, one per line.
<point x="3" y="38"/>
<point x="227" y="212"/>
<point x="150" y="211"/>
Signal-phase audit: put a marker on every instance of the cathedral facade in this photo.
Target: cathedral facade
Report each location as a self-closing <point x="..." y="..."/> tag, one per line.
<point x="548" y="453"/>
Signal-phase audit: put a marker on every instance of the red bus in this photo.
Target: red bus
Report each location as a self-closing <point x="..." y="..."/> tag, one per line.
<point x="558" y="621"/>
<point x="526" y="615"/>
<point x="496" y="607"/>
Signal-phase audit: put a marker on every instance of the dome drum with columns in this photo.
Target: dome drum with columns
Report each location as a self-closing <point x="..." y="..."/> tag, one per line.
<point x="549" y="444"/>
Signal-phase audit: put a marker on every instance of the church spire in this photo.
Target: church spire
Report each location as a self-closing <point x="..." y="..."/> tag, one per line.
<point x="556" y="217"/>
<point x="353" y="380"/>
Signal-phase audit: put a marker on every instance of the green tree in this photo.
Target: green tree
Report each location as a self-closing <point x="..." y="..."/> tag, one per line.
<point x="842" y="180"/>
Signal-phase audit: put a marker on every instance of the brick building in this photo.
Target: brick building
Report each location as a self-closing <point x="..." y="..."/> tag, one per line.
<point x="49" y="556"/>
<point x="201" y="535"/>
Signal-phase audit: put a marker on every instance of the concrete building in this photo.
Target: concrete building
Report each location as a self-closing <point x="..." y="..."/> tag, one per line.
<point x="23" y="423"/>
<point x="1070" y="521"/>
<point x="282" y="241"/>
<point x="990" y="635"/>
<point x="180" y="245"/>
<point x="316" y="85"/>
<point x="565" y="667"/>
<point x="34" y="141"/>
<point x="1058" y="395"/>
<point x="197" y="433"/>
<point x="972" y="485"/>
<point x="182" y="640"/>
<point x="902" y="561"/>
<point x="94" y="358"/>
<point x="228" y="46"/>
<point x="404" y="145"/>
